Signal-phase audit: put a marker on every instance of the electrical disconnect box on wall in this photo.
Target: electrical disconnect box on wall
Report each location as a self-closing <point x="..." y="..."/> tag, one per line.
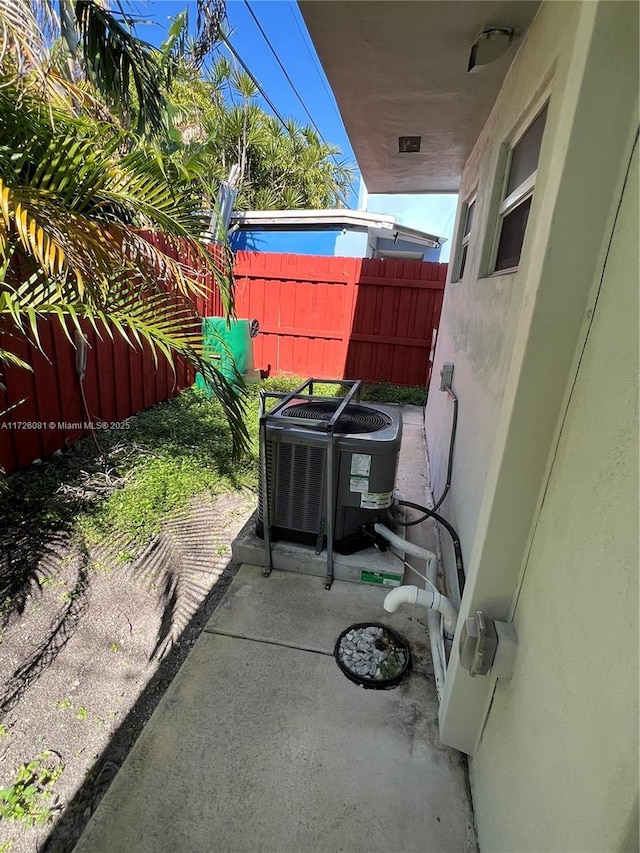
<point x="487" y="646"/>
<point x="446" y="376"/>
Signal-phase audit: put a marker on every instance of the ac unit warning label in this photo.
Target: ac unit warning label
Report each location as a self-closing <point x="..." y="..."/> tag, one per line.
<point x="360" y="469"/>
<point x="361" y="464"/>
<point x="375" y="500"/>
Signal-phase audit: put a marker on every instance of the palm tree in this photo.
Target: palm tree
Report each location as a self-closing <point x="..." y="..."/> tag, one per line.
<point x="296" y="169"/>
<point x="279" y="166"/>
<point x="78" y="192"/>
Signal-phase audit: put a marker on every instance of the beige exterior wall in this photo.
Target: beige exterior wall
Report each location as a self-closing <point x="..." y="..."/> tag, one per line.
<point x="515" y="339"/>
<point x="545" y="480"/>
<point x="481" y="313"/>
<point x="557" y="766"/>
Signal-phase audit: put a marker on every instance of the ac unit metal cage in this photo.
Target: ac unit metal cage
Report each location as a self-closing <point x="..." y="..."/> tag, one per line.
<point x="327" y="468"/>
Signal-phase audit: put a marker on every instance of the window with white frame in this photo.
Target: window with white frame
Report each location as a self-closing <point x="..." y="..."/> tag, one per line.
<point x="468" y="214"/>
<point x="516" y="202"/>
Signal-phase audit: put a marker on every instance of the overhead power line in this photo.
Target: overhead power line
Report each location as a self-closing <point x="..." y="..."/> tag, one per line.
<point x="288" y="78"/>
<point x="268" y="100"/>
<point x="320" y="72"/>
<point x="255" y="82"/>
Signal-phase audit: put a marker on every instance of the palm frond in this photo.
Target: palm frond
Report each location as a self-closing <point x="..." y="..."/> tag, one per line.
<point x="243" y="85"/>
<point x="115" y="60"/>
<point x="22" y="35"/>
<point x="266" y="198"/>
<point x="166" y="322"/>
<point x="221" y="72"/>
<point x="78" y="219"/>
<point x="173" y="47"/>
<point x="8" y="357"/>
<point x="31" y="57"/>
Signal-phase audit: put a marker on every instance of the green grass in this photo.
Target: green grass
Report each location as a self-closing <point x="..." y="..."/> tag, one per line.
<point x="170" y="453"/>
<point x="176" y="450"/>
<point x="384" y="392"/>
<point x="370" y="392"/>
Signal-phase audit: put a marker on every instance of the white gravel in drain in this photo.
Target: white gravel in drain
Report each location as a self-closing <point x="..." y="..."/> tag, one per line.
<point x="371" y="653"/>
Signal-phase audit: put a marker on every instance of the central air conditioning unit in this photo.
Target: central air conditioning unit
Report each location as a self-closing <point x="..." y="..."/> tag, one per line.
<point x="327" y="469"/>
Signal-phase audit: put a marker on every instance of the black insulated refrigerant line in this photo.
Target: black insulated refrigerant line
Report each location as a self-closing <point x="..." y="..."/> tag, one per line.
<point x="447" y="485"/>
<point x="452" y="440"/>
<point x="430" y="513"/>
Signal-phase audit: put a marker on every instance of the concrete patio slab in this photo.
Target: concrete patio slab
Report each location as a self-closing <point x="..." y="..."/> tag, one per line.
<point x="259" y="746"/>
<point x="299" y="612"/>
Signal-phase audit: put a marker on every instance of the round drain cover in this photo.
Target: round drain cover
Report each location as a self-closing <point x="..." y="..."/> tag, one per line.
<point x="373" y="655"/>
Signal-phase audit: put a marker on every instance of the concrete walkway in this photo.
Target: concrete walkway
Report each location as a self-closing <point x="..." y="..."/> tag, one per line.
<point x="261" y="745"/>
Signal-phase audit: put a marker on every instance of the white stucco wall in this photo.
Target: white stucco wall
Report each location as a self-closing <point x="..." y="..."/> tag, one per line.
<point x="480" y="314"/>
<point x="557" y="766"/>
<point x="544" y="491"/>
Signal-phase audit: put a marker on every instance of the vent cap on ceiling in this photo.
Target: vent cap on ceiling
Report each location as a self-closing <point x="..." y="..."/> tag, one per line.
<point x="409" y="144"/>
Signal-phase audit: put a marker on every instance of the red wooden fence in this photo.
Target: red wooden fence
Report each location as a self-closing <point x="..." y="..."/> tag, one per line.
<point x="304" y="304"/>
<point x="45" y="410"/>
<point x="319" y="316"/>
<point x="329" y="317"/>
<point x="397" y="310"/>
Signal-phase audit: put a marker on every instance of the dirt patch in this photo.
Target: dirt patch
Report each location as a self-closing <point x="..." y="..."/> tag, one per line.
<point x="86" y="661"/>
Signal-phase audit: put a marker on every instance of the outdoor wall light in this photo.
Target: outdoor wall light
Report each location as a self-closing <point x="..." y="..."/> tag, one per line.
<point x="490" y="45"/>
<point x="409" y="144"/>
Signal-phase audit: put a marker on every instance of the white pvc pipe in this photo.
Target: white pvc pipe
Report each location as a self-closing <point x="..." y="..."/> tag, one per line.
<point x="441" y="613"/>
<point x="402" y="544"/>
<point x="429" y="598"/>
<point x="436" y="637"/>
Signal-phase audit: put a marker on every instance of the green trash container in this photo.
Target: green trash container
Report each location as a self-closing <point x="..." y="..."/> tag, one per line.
<point x="239" y="348"/>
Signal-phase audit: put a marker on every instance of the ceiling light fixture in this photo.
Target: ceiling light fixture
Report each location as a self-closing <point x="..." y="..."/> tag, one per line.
<point x="490" y="45"/>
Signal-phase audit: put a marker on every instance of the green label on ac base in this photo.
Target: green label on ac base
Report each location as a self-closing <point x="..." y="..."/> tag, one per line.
<point x="381" y="578"/>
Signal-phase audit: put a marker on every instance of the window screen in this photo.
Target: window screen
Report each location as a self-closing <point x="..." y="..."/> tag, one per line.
<point x="518" y="194"/>
<point x="512" y="236"/>
<point x="525" y="156"/>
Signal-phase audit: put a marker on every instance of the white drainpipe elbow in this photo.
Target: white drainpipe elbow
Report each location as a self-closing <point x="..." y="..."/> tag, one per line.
<point x="401" y="595"/>
<point x="402" y="544"/>
<point x="429" y="598"/>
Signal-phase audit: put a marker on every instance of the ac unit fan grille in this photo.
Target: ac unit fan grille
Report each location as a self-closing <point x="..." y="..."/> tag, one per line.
<point x="299" y="487"/>
<point x="354" y="419"/>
